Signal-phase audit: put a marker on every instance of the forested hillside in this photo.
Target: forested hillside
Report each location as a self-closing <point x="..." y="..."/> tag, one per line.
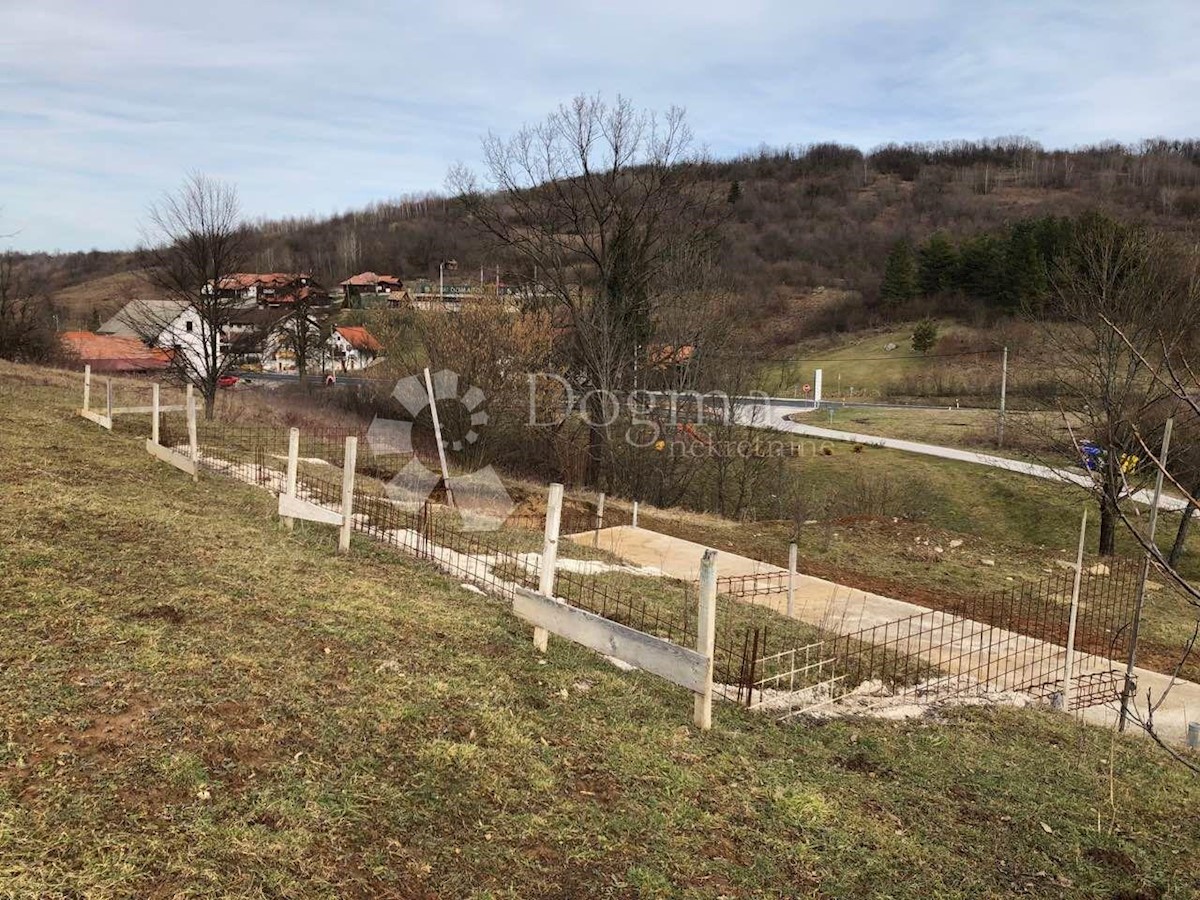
<point x="822" y="215"/>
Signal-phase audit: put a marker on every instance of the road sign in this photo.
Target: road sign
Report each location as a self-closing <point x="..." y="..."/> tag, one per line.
<point x="808" y="388"/>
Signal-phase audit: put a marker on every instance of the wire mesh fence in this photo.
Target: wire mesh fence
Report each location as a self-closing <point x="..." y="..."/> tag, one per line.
<point x="1011" y="639"/>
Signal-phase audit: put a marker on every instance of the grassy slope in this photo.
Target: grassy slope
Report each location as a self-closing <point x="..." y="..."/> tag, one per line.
<point x="860" y="359"/>
<point x="195" y="703"/>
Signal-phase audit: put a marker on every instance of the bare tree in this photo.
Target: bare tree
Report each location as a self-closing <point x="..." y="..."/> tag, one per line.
<point x="1177" y="376"/>
<point x="26" y="329"/>
<point x="195" y="241"/>
<point x="1130" y="277"/>
<point x="304" y="330"/>
<point x="598" y="200"/>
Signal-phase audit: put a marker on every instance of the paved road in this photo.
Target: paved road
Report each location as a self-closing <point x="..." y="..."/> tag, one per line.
<point x="773" y="413"/>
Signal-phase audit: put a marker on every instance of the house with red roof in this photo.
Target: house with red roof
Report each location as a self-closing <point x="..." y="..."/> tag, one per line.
<point x="114" y="353"/>
<point x="353" y="347"/>
<point x="273" y="289"/>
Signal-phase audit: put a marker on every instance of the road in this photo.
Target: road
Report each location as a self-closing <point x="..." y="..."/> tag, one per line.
<point x="773" y="412"/>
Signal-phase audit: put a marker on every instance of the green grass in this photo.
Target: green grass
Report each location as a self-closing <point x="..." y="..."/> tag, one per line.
<point x="195" y="703"/>
<point x="1040" y="437"/>
<point x="861" y="361"/>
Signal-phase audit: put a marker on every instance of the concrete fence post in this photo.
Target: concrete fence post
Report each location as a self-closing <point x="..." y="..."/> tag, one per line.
<point x="635" y="514"/>
<point x="706" y="635"/>
<point x="348" y="466"/>
<point x="108" y="401"/>
<point x="193" y="438"/>
<point x="1068" y="675"/>
<point x="154" y="413"/>
<point x="554" y="504"/>
<point x="87" y="388"/>
<point x="293" y="466"/>
<point x="599" y="520"/>
<point x="1193" y="735"/>
<point x="791" y="582"/>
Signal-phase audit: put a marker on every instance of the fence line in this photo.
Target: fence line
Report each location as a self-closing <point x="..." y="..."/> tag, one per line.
<point x="1007" y="640"/>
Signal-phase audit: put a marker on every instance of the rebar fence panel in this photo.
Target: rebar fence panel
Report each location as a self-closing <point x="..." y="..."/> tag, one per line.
<point x="1012" y="639"/>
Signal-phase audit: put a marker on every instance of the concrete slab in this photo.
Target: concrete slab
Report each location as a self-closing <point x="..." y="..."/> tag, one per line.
<point x="954" y="644"/>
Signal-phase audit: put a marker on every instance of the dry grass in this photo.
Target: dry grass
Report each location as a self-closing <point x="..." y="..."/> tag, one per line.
<point x="194" y="703"/>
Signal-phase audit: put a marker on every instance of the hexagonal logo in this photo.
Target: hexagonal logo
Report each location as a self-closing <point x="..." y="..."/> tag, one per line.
<point x="479" y="496"/>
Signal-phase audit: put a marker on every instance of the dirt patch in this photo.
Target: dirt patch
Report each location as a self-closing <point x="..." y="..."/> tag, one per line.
<point x="163" y="612"/>
<point x="1116" y="860"/>
<point x="107" y="734"/>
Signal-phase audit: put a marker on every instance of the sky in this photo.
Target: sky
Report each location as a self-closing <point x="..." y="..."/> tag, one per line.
<point x="319" y="107"/>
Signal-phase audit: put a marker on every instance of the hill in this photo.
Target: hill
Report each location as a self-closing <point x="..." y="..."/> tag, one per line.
<point x="177" y="723"/>
<point x="821" y="215"/>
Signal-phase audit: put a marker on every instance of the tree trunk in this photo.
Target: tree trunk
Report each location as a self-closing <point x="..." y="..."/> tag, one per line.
<point x="594" y="472"/>
<point x="1108" y="526"/>
<point x="1181" y="535"/>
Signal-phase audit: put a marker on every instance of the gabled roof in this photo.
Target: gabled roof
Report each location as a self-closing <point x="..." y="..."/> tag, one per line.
<point x="256" y="316"/>
<point x="359" y="338"/>
<point x="242" y="280"/>
<point x="143" y="319"/>
<point x="661" y="355"/>
<point x="308" y="292"/>
<point x="368" y="279"/>
<point x="109" y="353"/>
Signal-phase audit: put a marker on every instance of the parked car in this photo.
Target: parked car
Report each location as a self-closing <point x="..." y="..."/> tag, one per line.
<point x="227" y="381"/>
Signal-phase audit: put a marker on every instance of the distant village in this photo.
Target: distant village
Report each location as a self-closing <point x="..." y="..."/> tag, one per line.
<point x="266" y="309"/>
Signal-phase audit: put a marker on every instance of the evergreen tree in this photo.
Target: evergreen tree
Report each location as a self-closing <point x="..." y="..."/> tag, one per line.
<point x="937" y="262"/>
<point x="1025" y="282"/>
<point x="981" y="272"/>
<point x="735" y="192"/>
<point x="94" y="323"/>
<point x="899" y="276"/>
<point x="925" y="336"/>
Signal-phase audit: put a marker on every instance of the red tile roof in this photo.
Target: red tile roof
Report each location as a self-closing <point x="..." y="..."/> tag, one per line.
<point x="109" y="353"/>
<point x="368" y="279"/>
<point x="359" y="338"/>
<point x="242" y="280"/>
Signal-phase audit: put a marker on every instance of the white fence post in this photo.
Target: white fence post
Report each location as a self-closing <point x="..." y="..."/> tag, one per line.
<point x="293" y="466"/>
<point x="706" y="634"/>
<point x="635" y="514"/>
<point x="154" y="412"/>
<point x="108" y="401"/>
<point x="599" y="520"/>
<point x="348" y="465"/>
<point x="87" y="388"/>
<point x="193" y="440"/>
<point x="791" y="587"/>
<point x="554" y="504"/>
<point x="1070" y="669"/>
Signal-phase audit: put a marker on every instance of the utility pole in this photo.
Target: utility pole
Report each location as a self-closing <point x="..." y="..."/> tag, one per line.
<point x="442" y="282"/>
<point x="1003" y="394"/>
<point x="1130" y="686"/>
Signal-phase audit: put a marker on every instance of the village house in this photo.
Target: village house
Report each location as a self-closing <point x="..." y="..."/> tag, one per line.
<point x="170" y="325"/>
<point x="110" y="353"/>
<point x="369" y="284"/>
<point x="272" y="288"/>
<point x="352" y="347"/>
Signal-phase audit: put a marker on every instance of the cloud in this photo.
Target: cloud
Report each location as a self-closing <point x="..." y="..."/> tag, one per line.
<point x="312" y="107"/>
